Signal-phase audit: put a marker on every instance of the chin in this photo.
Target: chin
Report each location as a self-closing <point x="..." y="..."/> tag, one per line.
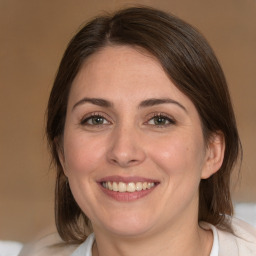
<point x="129" y="230"/>
<point x="128" y="225"/>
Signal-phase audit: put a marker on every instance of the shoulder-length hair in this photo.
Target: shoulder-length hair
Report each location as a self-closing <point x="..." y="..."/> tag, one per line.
<point x="191" y="65"/>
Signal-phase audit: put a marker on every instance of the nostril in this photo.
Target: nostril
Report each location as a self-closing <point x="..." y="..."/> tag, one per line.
<point x="124" y="162"/>
<point x="114" y="161"/>
<point x="125" y="155"/>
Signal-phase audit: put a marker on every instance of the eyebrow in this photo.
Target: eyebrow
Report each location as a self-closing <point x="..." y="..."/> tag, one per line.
<point x="156" y="101"/>
<point x="94" y="101"/>
<point x="145" y="103"/>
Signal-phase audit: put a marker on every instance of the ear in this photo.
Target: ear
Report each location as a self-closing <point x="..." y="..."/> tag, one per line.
<point x="60" y="150"/>
<point x="214" y="154"/>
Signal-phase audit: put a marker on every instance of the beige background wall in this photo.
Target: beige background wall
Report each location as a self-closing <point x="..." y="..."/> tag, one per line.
<point x="33" y="36"/>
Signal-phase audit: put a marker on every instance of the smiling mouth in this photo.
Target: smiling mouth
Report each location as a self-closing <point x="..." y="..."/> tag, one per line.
<point x="128" y="187"/>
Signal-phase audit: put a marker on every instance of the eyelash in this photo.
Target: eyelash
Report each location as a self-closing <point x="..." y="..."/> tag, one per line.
<point x="85" y="120"/>
<point x="163" y="117"/>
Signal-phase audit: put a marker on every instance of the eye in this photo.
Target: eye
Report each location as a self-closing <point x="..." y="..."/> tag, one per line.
<point x="161" y="120"/>
<point x="94" y="119"/>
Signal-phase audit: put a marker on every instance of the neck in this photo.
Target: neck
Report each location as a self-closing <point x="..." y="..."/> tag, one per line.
<point x="178" y="240"/>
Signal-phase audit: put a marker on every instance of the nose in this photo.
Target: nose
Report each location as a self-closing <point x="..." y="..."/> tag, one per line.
<point x="126" y="148"/>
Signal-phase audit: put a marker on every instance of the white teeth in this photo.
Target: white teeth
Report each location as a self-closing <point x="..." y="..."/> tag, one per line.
<point x="115" y="186"/>
<point x="150" y="185"/>
<point x="138" y="186"/>
<point x="122" y="187"/>
<point x="109" y="185"/>
<point x="129" y="187"/>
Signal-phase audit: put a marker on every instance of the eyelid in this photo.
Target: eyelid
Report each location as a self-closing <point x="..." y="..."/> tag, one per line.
<point x="161" y="114"/>
<point x="93" y="114"/>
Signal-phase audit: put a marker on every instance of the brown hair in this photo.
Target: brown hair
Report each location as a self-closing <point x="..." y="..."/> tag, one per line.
<point x="189" y="62"/>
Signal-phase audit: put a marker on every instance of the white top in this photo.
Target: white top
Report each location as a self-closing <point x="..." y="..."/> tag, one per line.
<point x="243" y="243"/>
<point x="215" y="245"/>
<point x="85" y="249"/>
<point x="10" y="248"/>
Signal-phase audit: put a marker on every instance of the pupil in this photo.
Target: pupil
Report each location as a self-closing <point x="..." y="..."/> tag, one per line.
<point x="97" y="120"/>
<point x="159" y="120"/>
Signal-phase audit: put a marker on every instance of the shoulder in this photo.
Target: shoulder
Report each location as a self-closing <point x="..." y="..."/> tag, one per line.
<point x="242" y="242"/>
<point x="244" y="229"/>
<point x="48" y="245"/>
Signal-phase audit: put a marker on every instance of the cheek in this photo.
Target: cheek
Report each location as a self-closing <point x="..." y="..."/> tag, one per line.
<point x="178" y="155"/>
<point x="179" y="160"/>
<point x="82" y="155"/>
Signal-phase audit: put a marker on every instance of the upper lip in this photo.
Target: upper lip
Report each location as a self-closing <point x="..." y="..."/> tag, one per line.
<point x="116" y="178"/>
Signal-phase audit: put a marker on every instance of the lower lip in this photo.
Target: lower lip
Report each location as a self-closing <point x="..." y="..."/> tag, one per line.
<point x="127" y="196"/>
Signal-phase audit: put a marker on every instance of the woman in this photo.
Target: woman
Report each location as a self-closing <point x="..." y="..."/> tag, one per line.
<point x="144" y="137"/>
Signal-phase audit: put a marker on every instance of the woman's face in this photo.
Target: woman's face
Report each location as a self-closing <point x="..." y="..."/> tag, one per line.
<point x="133" y="148"/>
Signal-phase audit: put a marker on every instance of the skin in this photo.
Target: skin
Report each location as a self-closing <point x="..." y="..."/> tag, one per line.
<point x="130" y="142"/>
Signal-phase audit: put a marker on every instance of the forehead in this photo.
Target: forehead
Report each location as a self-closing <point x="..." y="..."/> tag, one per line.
<point x="124" y="72"/>
<point x="121" y="64"/>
